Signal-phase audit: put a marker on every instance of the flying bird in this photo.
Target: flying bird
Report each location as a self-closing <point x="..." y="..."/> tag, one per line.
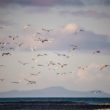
<point x="27" y="26"/>
<point x="81" y="30"/>
<point x="23" y="63"/>
<point x="30" y="82"/>
<point x="44" y="40"/>
<point x="34" y="59"/>
<point x="58" y="54"/>
<point x="51" y="63"/>
<point x="7" y="53"/>
<point x="2" y="65"/>
<point x="13" y="37"/>
<point x="47" y="30"/>
<point x="74" y="47"/>
<point x="38" y="55"/>
<point x="104" y="66"/>
<point x="39" y="65"/>
<point x="62" y="65"/>
<point x="15" y="82"/>
<point x="95" y="52"/>
<point x="35" y="74"/>
<point x="1" y="79"/>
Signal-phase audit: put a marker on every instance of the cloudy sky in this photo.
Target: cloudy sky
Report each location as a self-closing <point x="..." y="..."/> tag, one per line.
<point x="43" y="35"/>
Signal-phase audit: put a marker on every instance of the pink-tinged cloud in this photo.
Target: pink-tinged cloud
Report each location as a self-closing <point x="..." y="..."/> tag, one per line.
<point x="91" y="72"/>
<point x="62" y="38"/>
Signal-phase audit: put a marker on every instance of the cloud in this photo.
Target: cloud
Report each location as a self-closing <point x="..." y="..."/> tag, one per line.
<point x="71" y="27"/>
<point x="41" y="2"/>
<point x="91" y="72"/>
<point x="63" y="37"/>
<point x="86" y="13"/>
<point x="55" y="2"/>
<point x="6" y="22"/>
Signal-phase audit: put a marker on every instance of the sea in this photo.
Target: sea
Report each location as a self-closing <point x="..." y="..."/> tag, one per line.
<point x="86" y="100"/>
<point x="55" y="106"/>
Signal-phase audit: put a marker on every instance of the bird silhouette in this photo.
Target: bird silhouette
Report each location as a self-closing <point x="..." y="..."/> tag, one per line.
<point x="15" y="82"/>
<point x="2" y="79"/>
<point x="7" y="53"/>
<point x="97" y="51"/>
<point x="30" y="81"/>
<point x="47" y="30"/>
<point x="104" y="66"/>
<point x="23" y="63"/>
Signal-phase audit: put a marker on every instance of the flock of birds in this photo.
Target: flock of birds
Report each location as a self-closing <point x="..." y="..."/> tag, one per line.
<point x="51" y="64"/>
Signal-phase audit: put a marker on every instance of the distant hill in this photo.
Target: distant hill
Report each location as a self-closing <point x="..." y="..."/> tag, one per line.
<point x="54" y="92"/>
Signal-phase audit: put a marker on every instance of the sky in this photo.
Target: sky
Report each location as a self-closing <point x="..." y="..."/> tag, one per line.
<point x="55" y="43"/>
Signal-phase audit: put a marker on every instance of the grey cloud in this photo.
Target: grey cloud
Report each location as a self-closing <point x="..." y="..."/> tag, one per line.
<point x="96" y="2"/>
<point x="55" y="2"/>
<point x="6" y="23"/>
<point x="85" y="40"/>
<point x="87" y="13"/>
<point x="41" y="2"/>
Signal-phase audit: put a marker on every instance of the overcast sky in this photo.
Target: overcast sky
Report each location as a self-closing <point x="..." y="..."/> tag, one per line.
<point x="83" y="23"/>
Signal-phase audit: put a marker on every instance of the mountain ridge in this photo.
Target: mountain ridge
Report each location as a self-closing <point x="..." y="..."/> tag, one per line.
<point x="54" y="92"/>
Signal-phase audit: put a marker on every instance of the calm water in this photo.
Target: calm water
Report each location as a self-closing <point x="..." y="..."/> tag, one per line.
<point x="87" y="100"/>
<point x="54" y="107"/>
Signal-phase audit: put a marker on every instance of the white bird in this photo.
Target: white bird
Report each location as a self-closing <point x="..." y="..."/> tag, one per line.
<point x="27" y="26"/>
